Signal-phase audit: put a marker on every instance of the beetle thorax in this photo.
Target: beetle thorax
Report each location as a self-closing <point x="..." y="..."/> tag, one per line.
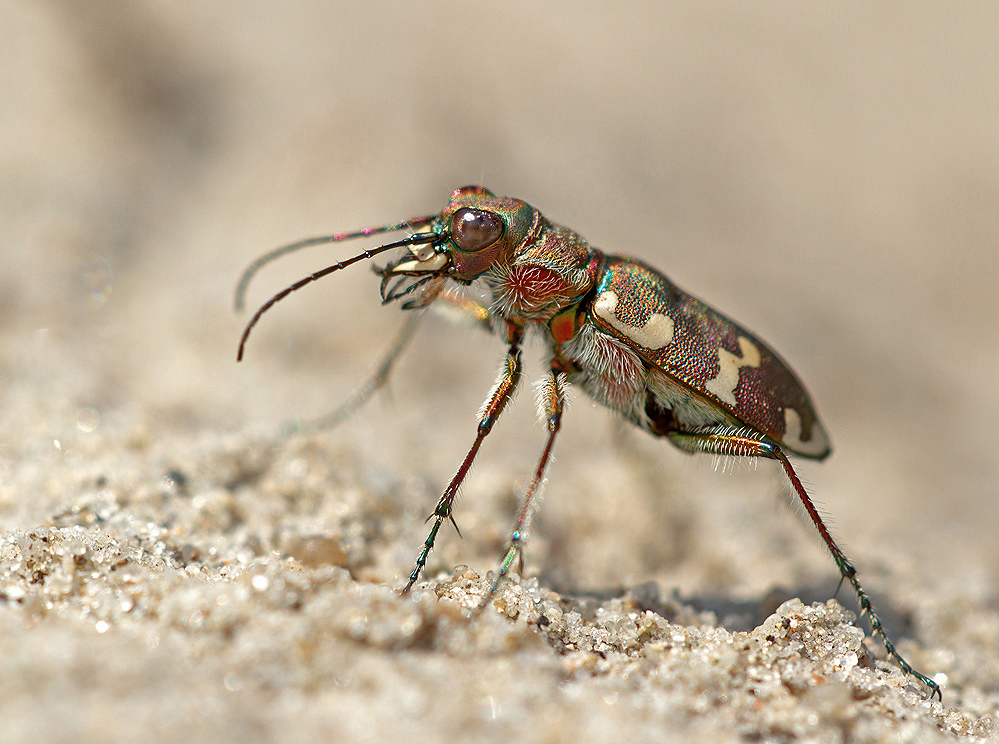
<point x="550" y="274"/>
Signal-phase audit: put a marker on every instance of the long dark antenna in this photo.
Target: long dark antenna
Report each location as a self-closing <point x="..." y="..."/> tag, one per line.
<point x="253" y="268"/>
<point x="411" y="240"/>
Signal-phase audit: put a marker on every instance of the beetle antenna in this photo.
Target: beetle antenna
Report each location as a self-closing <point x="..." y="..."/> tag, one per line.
<point x="253" y="268"/>
<point x="411" y="240"/>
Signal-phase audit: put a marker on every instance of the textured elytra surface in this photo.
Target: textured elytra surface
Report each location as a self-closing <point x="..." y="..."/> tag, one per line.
<point x="172" y="569"/>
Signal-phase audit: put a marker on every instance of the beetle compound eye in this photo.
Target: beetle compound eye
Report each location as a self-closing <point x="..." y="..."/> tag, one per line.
<point x="472" y="229"/>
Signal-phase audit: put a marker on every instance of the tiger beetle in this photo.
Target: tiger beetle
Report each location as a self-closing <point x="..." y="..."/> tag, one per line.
<point x="612" y="326"/>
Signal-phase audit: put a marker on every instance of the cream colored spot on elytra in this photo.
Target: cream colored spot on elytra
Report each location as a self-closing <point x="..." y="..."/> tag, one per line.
<point x="727" y="380"/>
<point x="655" y="334"/>
<point x="818" y="444"/>
<point x="792" y="427"/>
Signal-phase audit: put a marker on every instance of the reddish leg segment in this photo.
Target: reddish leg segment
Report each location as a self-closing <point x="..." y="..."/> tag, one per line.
<point x="745" y="446"/>
<point x="505" y="387"/>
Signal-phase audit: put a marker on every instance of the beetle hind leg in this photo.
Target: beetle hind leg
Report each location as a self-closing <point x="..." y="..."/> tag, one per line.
<point x="746" y="445"/>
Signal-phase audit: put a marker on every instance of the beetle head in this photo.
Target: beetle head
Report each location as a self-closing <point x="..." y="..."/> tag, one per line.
<point x="477" y="230"/>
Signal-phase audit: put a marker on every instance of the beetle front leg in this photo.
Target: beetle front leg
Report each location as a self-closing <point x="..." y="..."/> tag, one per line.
<point x="506" y="384"/>
<point x="375" y="380"/>
<point x="746" y="446"/>
<point x="461" y="307"/>
<point x="551" y="403"/>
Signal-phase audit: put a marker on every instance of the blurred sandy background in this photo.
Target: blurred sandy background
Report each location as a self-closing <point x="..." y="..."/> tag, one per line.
<point x="827" y="175"/>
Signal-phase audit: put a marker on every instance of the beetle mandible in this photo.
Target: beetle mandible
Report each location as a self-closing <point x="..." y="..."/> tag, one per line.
<point x="612" y="326"/>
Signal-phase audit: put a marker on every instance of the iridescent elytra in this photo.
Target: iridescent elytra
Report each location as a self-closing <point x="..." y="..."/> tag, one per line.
<point x="613" y="327"/>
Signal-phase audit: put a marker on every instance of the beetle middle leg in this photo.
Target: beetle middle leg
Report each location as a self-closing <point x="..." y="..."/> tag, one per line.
<point x="747" y="446"/>
<point x="507" y="383"/>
